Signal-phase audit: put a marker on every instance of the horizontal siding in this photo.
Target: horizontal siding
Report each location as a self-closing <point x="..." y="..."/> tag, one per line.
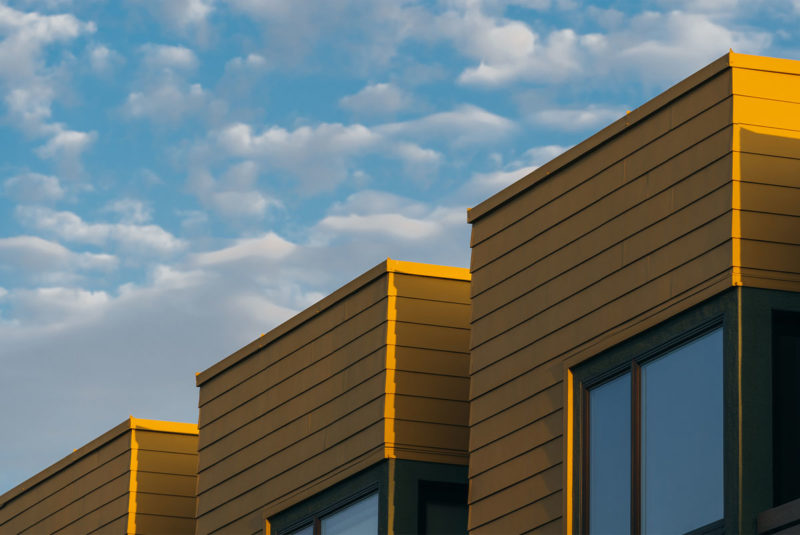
<point x="520" y="441"/>
<point x="298" y="337"/>
<point x="70" y="489"/>
<point x="280" y="429"/>
<point x="310" y="408"/>
<point x="537" y="515"/>
<point x="517" y="469"/>
<point x="636" y="227"/>
<point x="76" y="491"/>
<point x="431" y="288"/>
<point x="173" y="484"/>
<point x="242" y="471"/>
<point x="584" y="236"/>
<point x="769" y="189"/>
<point x="433" y="361"/>
<point x="427" y="405"/>
<point x="110" y="498"/>
<point x="702" y="255"/>
<point x="166" y="481"/>
<point x="293" y="413"/>
<point x="155" y="524"/>
<point x="536" y="487"/>
<point x="245" y="505"/>
<point x="116" y="526"/>
<point x="164" y="505"/>
<point x="605" y="195"/>
<point x="318" y="359"/>
<point x="111" y="511"/>
<point x="579" y="170"/>
<point x="782" y="86"/>
<point x="160" y="441"/>
<point x="63" y="478"/>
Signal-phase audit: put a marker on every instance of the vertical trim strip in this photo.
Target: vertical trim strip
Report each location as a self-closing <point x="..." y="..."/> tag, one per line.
<point x="390" y="388"/>
<point x="133" y="485"/>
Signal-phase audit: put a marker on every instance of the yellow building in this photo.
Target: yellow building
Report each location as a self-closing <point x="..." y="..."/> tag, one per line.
<point x="622" y="356"/>
<point x="635" y="309"/>
<point x="138" y="477"/>
<point x="357" y="402"/>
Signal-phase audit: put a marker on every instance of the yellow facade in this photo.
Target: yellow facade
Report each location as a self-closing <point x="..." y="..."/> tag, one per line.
<point x="139" y="477"/>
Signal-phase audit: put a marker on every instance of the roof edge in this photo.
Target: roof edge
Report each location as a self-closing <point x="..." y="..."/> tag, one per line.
<point x="126" y="425"/>
<point x="387" y="266"/>
<point x="59" y="465"/>
<point x="642" y="112"/>
<point x="163" y="426"/>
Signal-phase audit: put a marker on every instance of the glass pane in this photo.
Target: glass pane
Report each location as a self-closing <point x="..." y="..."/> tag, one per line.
<point x="359" y="518"/>
<point x="785" y="406"/>
<point x="305" y="530"/>
<point x="610" y="457"/>
<point x="682" y="486"/>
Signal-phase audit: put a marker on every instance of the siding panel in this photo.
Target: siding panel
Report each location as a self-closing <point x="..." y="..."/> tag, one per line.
<point x="623" y="233"/>
<point x="380" y="372"/>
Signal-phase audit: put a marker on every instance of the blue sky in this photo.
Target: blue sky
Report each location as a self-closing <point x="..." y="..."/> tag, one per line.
<point x="178" y="177"/>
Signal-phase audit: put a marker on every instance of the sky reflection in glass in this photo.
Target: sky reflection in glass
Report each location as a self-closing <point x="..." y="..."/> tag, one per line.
<point x="360" y="518"/>
<point x="682" y="482"/>
<point x="610" y="452"/>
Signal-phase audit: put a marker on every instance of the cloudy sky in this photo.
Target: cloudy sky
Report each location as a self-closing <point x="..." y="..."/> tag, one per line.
<point x="178" y="177"/>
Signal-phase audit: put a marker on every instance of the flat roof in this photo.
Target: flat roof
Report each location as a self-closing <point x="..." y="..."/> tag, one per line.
<point x="127" y="425"/>
<point x="387" y="266"/>
<point x="731" y="59"/>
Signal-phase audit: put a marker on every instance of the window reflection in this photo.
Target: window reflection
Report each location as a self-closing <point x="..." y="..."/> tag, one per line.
<point x="610" y="452"/>
<point x="682" y="487"/>
<point x="359" y="518"/>
<point x="675" y="404"/>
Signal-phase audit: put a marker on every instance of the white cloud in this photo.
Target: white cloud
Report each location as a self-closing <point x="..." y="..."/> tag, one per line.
<point x="30" y="107"/>
<point x="378" y="99"/>
<point x="384" y="214"/>
<point x="166" y="103"/>
<point x="32" y="254"/>
<point x="543" y="154"/>
<point x="235" y="195"/>
<point x="251" y="61"/>
<point x="69" y="226"/>
<point x="66" y="147"/>
<point x="465" y="125"/>
<point x="103" y="59"/>
<point x="396" y="225"/>
<point x="58" y="305"/>
<point x="317" y="156"/>
<point x="270" y="246"/>
<point x="481" y="185"/>
<point x="26" y="34"/>
<point x="574" y="119"/>
<point x="131" y="211"/>
<point x="415" y="154"/>
<point x="277" y="142"/>
<point x="168" y="57"/>
<point x="33" y="187"/>
<point x="322" y="156"/>
<point x="678" y="42"/>
<point x="494" y="181"/>
<point x="189" y="17"/>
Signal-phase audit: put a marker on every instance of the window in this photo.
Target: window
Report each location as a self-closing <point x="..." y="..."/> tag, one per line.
<point x="653" y="442"/>
<point x="356" y="518"/>
<point x="442" y="508"/>
<point x="785" y="406"/>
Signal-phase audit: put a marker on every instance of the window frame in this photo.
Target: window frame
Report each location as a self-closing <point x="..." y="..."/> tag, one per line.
<point x="628" y="356"/>
<point x="315" y="519"/>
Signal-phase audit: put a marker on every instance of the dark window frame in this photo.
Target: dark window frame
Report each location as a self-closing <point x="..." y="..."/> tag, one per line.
<point x="717" y="312"/>
<point x="315" y="519"/>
